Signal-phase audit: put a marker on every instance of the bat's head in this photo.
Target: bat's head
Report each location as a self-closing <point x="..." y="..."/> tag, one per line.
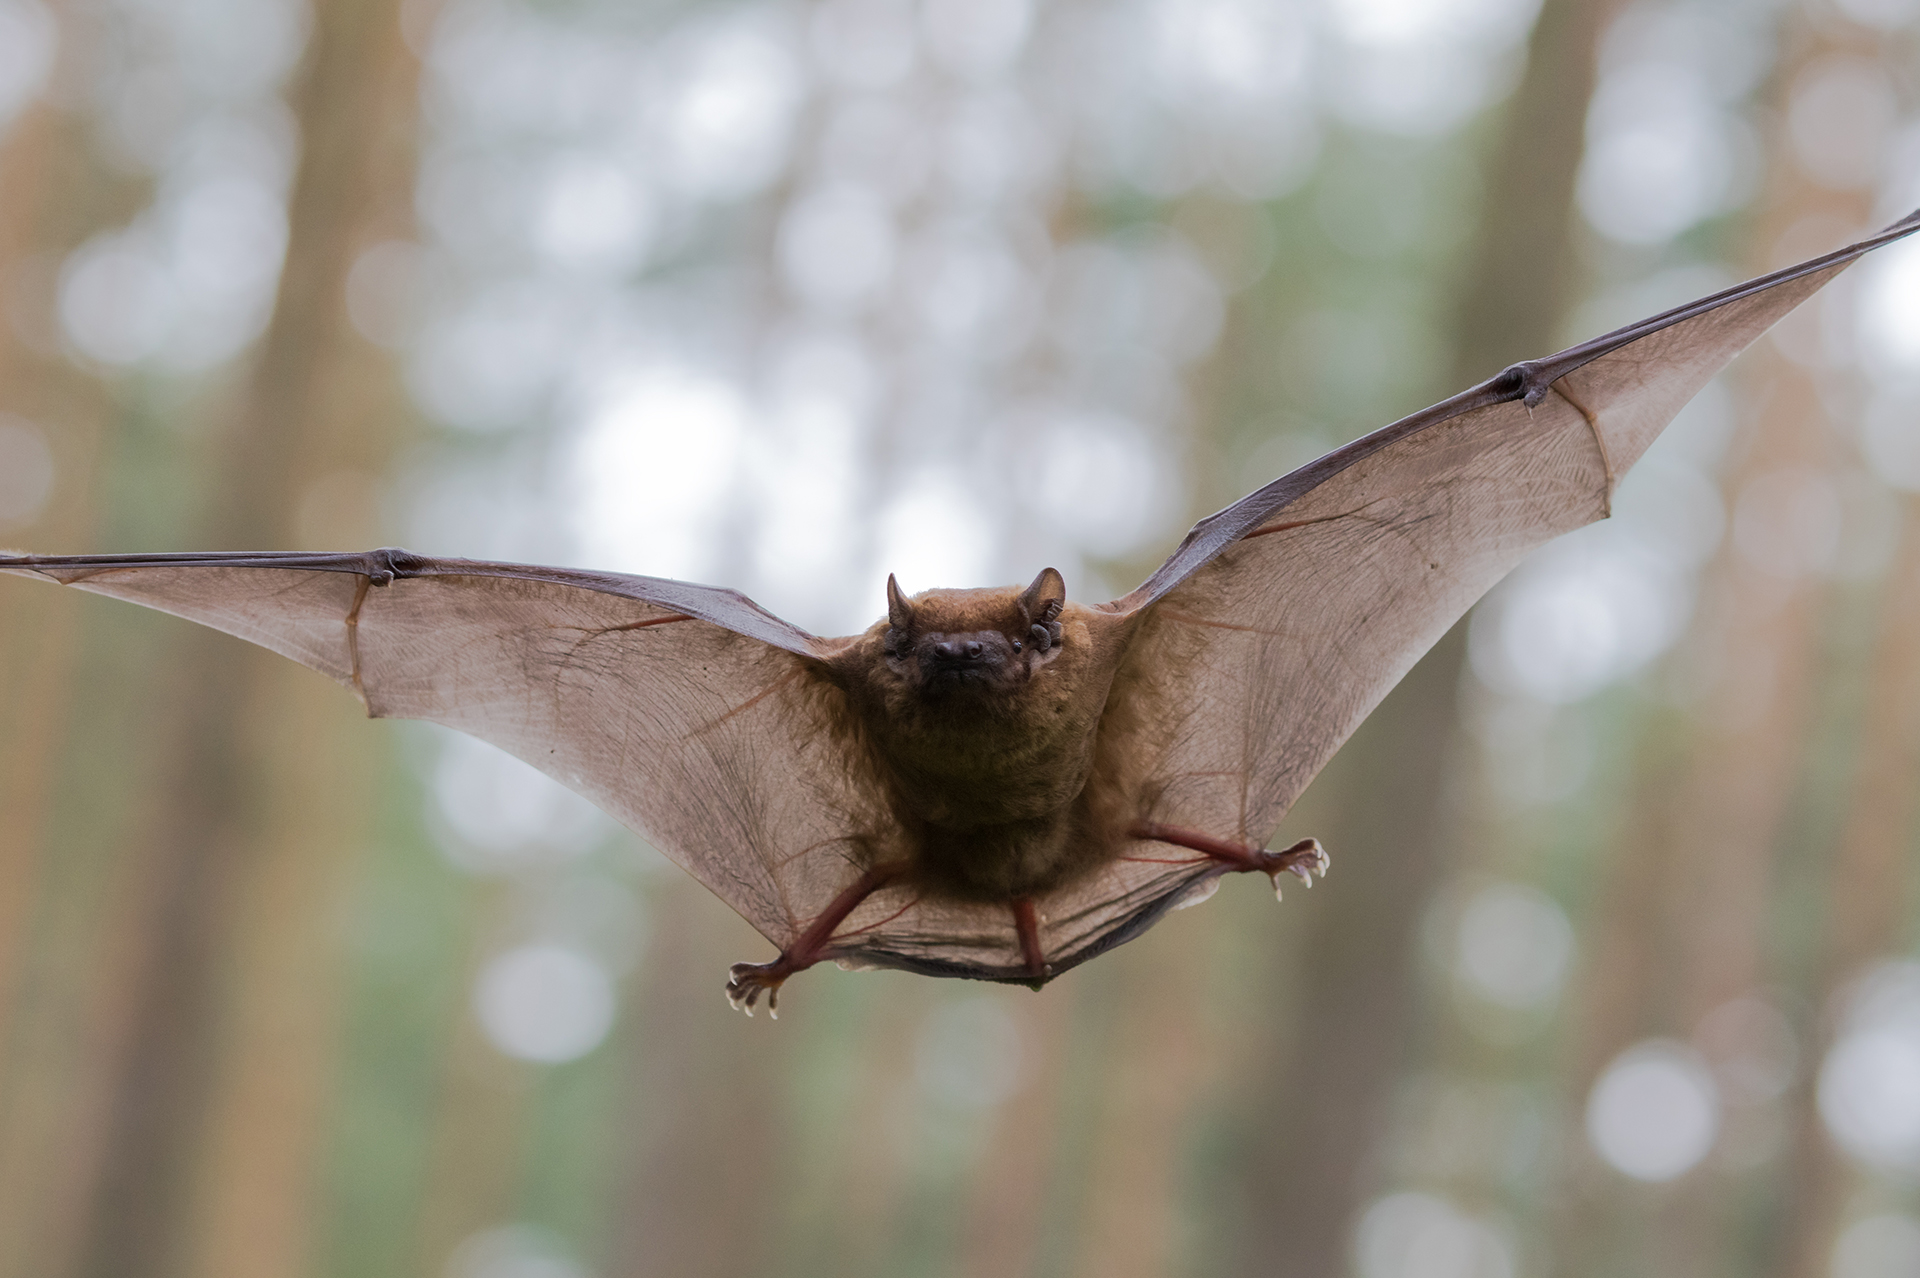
<point x="978" y="643"/>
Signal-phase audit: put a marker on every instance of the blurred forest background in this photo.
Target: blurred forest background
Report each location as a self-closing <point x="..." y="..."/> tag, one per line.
<point x="1616" y="971"/>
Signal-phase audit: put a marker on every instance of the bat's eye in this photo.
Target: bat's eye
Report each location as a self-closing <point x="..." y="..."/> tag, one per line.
<point x="1016" y="645"/>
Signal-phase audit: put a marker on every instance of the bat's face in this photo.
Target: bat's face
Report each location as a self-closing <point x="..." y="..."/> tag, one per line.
<point x="957" y="645"/>
<point x="961" y="663"/>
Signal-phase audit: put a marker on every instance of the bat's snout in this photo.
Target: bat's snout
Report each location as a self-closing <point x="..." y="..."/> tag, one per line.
<point x="963" y="658"/>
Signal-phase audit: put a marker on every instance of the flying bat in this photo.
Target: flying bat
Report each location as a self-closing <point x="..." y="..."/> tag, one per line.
<point x="996" y="784"/>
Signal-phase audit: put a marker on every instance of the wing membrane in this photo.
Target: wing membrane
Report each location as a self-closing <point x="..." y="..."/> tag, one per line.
<point x="689" y="714"/>
<point x="1299" y="607"/>
<point x="713" y="744"/>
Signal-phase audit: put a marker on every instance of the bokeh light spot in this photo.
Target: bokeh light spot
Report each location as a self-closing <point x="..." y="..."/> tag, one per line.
<point x="489" y="365"/>
<point x="1840" y="115"/>
<point x="507" y="813"/>
<point x="27" y="38"/>
<point x="1884" y="15"/>
<point x="1413" y="1235"/>
<point x="727" y="128"/>
<point x="115" y="301"/>
<point x="1228" y="57"/>
<point x="1890" y="440"/>
<point x="1588" y="611"/>
<point x="513" y="1251"/>
<point x="1420" y="21"/>
<point x="933" y="532"/>
<point x="1102" y="481"/>
<point x="653" y="468"/>
<point x="1869" y="1088"/>
<point x="976" y="39"/>
<point x="1886" y="1246"/>
<point x="1655" y="1111"/>
<point x="1660" y="153"/>
<point x="1514" y="946"/>
<point x="837" y="246"/>
<point x="545" y="1003"/>
<point x="593" y="215"/>
<point x="1889" y="305"/>
<point x="865" y="44"/>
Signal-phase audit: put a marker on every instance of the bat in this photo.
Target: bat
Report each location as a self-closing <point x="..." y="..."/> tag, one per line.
<point x="995" y="784"/>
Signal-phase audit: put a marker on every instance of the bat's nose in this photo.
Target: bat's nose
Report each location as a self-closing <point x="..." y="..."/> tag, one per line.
<point x="957" y="652"/>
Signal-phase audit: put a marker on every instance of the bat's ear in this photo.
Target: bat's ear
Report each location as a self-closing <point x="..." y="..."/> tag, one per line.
<point x="899" y="611"/>
<point x="1045" y="598"/>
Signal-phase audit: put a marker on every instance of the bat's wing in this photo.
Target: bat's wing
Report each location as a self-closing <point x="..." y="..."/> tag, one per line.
<point x="686" y="711"/>
<point x="1290" y="614"/>
<point x="701" y="721"/>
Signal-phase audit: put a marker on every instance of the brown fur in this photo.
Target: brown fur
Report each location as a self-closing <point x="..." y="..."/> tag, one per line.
<point x="992" y="782"/>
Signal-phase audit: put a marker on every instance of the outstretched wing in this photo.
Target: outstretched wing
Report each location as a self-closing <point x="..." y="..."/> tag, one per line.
<point x="688" y="712"/>
<point x="702" y="721"/>
<point x="1291" y="613"/>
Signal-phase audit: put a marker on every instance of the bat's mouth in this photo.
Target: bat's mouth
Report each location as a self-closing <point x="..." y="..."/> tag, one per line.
<point x="961" y="676"/>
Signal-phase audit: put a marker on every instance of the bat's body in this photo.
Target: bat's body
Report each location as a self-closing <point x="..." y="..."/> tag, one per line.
<point x="996" y="784"/>
<point x="1011" y="764"/>
<point x="983" y="738"/>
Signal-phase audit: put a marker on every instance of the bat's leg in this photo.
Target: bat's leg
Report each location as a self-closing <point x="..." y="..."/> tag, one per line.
<point x="1302" y="860"/>
<point x="745" y="981"/>
<point x="1027" y="924"/>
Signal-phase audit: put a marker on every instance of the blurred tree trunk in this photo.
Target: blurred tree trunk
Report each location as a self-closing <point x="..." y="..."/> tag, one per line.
<point x="479" y="1132"/>
<point x="703" y="1178"/>
<point x="1871" y="883"/>
<point x="1003" y="1221"/>
<point x="52" y="194"/>
<point x="36" y="632"/>
<point x="1869" y="876"/>
<point x="1685" y="926"/>
<point x="1870" y="879"/>
<point x="226" y="925"/>
<point x="1323" y="1098"/>
<point x="1150" y="1088"/>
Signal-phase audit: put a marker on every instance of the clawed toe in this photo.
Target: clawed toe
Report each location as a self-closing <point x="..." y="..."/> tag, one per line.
<point x="1303" y="860"/>
<point x="746" y="981"/>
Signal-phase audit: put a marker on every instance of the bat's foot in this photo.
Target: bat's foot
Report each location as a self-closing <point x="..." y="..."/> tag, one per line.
<point x="746" y="982"/>
<point x="1303" y="860"/>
